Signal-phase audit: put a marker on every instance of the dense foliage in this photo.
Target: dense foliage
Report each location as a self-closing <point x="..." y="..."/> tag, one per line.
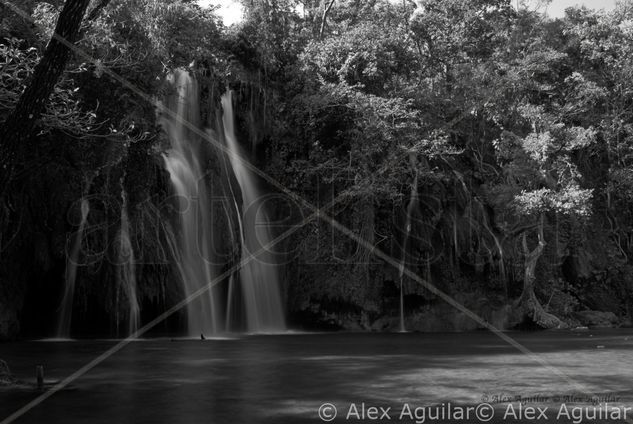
<point x="487" y="149"/>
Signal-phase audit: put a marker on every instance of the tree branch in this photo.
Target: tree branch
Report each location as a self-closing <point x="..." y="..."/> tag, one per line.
<point x="324" y="17"/>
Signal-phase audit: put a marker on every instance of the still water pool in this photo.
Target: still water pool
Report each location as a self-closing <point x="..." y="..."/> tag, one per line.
<point x="286" y="378"/>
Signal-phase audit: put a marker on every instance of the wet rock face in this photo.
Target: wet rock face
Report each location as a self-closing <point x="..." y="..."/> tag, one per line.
<point x="5" y="374"/>
<point x="596" y="318"/>
<point x="9" y="325"/>
<point x="9" y="301"/>
<point x="433" y="317"/>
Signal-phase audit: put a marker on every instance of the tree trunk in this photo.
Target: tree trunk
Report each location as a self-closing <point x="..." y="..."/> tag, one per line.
<point x="528" y="306"/>
<point x="327" y="9"/>
<point x="20" y="124"/>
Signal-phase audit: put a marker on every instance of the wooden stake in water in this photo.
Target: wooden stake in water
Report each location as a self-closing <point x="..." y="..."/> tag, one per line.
<point x="39" y="375"/>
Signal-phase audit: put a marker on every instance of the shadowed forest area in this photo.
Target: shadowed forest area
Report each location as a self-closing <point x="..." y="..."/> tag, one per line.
<point x="487" y="149"/>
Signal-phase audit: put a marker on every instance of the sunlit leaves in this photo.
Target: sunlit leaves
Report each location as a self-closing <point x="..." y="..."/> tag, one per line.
<point x="538" y="146"/>
<point x="569" y="200"/>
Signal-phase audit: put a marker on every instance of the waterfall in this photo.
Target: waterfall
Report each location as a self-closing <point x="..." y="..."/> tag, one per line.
<point x="258" y="277"/>
<point x="126" y="272"/>
<point x="194" y="227"/>
<point x="254" y="292"/>
<point x="66" y="307"/>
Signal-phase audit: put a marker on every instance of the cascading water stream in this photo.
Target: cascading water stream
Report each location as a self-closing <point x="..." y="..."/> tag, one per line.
<point x="194" y="227"/>
<point x="66" y="307"/>
<point x="126" y="273"/>
<point x="258" y="277"/>
<point x="234" y="276"/>
<point x="413" y="201"/>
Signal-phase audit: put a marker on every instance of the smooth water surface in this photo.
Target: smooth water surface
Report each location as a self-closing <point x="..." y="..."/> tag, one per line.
<point x="285" y="378"/>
